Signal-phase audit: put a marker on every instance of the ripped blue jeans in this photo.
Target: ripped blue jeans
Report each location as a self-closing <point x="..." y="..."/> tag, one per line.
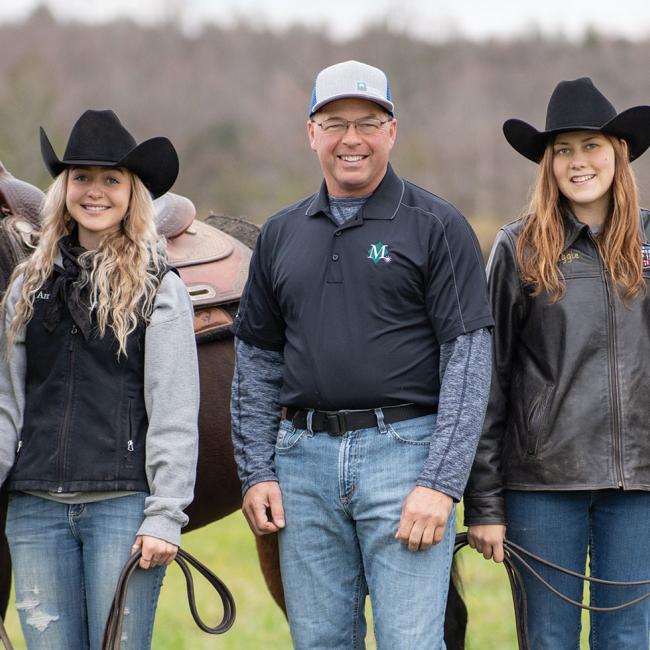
<point x="66" y="560"/>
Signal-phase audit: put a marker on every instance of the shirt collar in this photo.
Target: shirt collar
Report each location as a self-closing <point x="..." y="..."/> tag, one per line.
<point x="383" y="204"/>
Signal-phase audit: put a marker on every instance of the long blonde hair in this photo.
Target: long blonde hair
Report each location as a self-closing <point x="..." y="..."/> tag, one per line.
<point x="122" y="275"/>
<point x="542" y="238"/>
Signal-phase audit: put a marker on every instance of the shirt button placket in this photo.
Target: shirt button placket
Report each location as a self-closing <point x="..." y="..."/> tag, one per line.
<point x="335" y="275"/>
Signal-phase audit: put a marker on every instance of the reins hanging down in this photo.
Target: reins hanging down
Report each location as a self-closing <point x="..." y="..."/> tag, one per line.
<point x="113" y="630"/>
<point x="514" y="551"/>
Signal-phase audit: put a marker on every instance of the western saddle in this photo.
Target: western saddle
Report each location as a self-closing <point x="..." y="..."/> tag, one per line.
<point x="212" y="264"/>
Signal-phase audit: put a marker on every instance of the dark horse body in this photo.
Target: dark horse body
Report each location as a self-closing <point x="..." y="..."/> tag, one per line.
<point x="218" y="491"/>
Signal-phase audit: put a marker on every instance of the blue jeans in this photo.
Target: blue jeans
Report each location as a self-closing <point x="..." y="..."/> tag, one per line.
<point x="67" y="559"/>
<point x="614" y="526"/>
<point x="343" y="498"/>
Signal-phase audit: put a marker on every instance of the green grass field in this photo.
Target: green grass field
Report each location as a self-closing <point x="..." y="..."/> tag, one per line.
<point x="228" y="548"/>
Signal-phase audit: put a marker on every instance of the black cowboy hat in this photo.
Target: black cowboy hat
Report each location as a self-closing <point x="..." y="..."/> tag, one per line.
<point x="99" y="138"/>
<point x="579" y="106"/>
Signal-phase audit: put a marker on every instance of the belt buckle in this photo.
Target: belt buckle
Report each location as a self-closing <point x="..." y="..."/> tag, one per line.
<point x="336" y="419"/>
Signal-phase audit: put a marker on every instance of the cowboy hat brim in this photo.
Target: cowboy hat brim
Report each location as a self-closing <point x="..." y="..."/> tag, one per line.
<point x="154" y="161"/>
<point x="632" y="125"/>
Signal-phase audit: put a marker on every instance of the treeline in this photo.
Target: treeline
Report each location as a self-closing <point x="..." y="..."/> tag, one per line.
<point x="234" y="102"/>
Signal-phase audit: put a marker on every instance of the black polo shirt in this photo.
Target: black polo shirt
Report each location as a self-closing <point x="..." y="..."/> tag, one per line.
<point x="360" y="310"/>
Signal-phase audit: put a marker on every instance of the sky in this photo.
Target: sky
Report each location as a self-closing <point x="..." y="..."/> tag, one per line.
<point x="342" y="19"/>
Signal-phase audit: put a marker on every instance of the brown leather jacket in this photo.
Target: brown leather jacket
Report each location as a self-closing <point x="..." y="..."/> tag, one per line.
<point x="569" y="406"/>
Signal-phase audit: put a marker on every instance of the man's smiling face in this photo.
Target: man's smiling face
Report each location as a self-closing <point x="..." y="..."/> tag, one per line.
<point x="353" y="163"/>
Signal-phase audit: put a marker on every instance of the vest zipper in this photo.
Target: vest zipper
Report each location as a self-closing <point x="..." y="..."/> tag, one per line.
<point x="129" y="443"/>
<point x="63" y="432"/>
<point x="20" y="446"/>
<point x="613" y="376"/>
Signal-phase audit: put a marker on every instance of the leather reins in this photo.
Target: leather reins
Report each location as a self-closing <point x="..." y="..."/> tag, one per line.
<point x="113" y="629"/>
<point x="4" y="637"/>
<point x="515" y="552"/>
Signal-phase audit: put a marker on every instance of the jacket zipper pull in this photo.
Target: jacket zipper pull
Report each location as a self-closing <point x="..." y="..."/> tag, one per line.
<point x="73" y="331"/>
<point x="129" y="445"/>
<point x="20" y="446"/>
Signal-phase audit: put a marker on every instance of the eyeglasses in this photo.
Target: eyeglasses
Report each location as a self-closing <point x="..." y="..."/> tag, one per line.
<point x="363" y="125"/>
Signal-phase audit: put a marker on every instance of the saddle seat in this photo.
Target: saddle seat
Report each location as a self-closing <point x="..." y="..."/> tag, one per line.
<point x="212" y="264"/>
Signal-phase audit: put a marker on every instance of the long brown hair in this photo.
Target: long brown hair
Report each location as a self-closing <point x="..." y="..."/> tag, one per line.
<point x="123" y="274"/>
<point x="619" y="243"/>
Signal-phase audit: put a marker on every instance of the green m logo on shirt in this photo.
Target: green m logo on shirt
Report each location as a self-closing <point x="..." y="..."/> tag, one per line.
<point x="379" y="252"/>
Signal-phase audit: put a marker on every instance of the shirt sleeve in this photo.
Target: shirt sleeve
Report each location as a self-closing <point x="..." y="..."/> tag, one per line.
<point x="12" y="385"/>
<point x="171" y="386"/>
<point x="259" y="320"/>
<point x="255" y="408"/>
<point x="456" y="293"/>
<point x="465" y="366"/>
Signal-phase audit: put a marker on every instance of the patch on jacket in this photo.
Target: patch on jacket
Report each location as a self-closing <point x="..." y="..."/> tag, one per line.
<point x="645" y="253"/>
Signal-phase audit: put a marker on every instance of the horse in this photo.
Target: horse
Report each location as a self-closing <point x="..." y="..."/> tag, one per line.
<point x="218" y="489"/>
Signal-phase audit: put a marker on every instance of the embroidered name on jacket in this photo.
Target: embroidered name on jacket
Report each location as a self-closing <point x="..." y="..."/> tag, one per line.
<point x="41" y="295"/>
<point x="569" y="256"/>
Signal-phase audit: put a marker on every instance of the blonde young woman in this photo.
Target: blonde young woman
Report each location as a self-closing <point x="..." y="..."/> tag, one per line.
<point x="563" y="464"/>
<point x="98" y="393"/>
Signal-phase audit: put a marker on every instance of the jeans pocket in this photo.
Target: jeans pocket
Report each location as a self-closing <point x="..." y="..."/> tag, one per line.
<point x="416" y="431"/>
<point x="288" y="436"/>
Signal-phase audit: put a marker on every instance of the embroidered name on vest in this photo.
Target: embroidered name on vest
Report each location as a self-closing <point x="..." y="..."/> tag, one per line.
<point x="42" y="296"/>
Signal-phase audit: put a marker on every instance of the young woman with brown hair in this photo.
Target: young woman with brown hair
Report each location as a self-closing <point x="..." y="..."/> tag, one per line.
<point x="563" y="464"/>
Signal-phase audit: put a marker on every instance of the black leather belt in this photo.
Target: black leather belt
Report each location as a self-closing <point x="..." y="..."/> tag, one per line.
<point x="338" y="422"/>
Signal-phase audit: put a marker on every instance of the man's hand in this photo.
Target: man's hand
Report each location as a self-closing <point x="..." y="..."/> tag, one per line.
<point x="487" y="539"/>
<point x="424" y="517"/>
<point x="263" y="509"/>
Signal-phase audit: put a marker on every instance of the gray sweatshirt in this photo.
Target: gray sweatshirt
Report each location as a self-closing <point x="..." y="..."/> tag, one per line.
<point x="171" y="390"/>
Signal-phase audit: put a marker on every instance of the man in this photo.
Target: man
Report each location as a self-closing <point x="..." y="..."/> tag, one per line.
<point x="366" y="319"/>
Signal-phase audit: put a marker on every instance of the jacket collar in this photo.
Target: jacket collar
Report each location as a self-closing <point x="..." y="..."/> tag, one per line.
<point x="573" y="228"/>
<point x="383" y="204"/>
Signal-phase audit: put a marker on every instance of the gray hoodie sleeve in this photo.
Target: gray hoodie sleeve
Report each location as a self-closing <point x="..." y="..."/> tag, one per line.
<point x="255" y="395"/>
<point x="12" y="385"/>
<point x="171" y="386"/>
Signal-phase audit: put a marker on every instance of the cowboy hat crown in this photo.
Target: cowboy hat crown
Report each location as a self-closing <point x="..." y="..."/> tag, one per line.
<point x="98" y="138"/>
<point x="579" y="106"/>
